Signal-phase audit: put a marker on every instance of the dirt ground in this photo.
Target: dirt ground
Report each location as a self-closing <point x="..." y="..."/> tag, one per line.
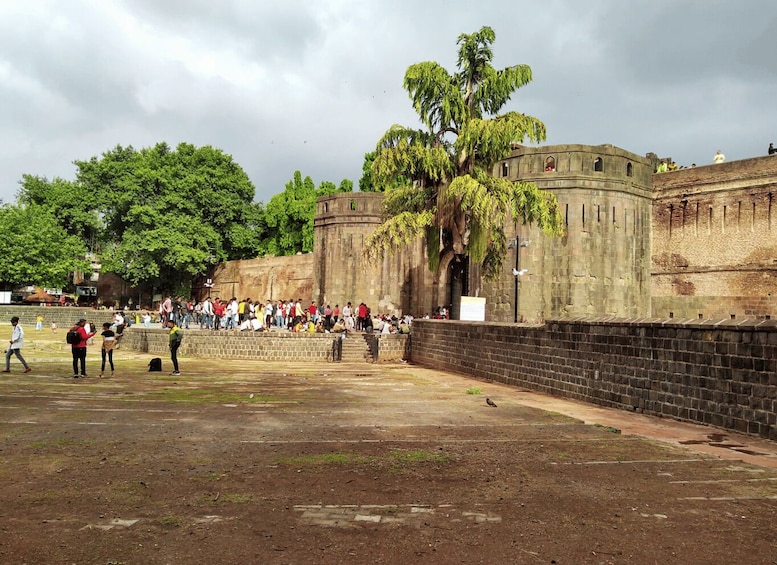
<point x="250" y="462"/>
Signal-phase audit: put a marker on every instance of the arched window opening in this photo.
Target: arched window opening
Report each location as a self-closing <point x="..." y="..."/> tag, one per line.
<point x="598" y="165"/>
<point x="505" y="169"/>
<point x="353" y="204"/>
<point x="629" y="170"/>
<point x="550" y="164"/>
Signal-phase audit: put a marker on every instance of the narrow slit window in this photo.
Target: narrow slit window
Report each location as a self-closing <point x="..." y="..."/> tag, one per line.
<point x="598" y="165"/>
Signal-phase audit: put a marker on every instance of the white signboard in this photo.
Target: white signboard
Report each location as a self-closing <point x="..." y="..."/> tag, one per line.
<point x="473" y="308"/>
<point x="5" y="297"/>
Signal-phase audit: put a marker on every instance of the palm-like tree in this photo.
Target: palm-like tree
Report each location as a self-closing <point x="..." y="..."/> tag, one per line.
<point x="447" y="193"/>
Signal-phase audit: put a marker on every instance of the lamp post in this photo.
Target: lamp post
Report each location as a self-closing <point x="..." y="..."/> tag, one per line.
<point x="517" y="243"/>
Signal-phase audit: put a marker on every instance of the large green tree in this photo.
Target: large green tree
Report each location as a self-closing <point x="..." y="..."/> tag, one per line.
<point x="159" y="216"/>
<point x="174" y="213"/>
<point x="36" y="249"/>
<point x="447" y="192"/>
<point x="74" y="206"/>
<point x="289" y="215"/>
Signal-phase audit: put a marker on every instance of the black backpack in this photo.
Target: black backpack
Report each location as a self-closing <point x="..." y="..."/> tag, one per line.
<point x="155" y="364"/>
<point x="72" y="337"/>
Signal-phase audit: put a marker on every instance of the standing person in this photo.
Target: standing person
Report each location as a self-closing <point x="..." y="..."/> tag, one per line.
<point x="207" y="315"/>
<point x="109" y="340"/>
<point x="218" y="313"/>
<point x="280" y="314"/>
<point x="175" y="342"/>
<point x="348" y="317"/>
<point x="268" y="314"/>
<point x="166" y="310"/>
<point x="298" y="312"/>
<point x="361" y="316"/>
<point x="39" y="323"/>
<point x="327" y="318"/>
<point x="15" y="347"/>
<point x="79" y="348"/>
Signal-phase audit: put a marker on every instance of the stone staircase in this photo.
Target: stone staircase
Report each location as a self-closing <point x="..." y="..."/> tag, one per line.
<point x="356" y="348"/>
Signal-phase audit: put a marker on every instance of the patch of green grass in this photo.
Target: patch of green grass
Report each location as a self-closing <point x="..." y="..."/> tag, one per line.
<point x="203" y="396"/>
<point x="171" y="521"/>
<point x="559" y="417"/>
<point x="395" y="459"/>
<point x="57" y="443"/>
<point x="236" y="498"/>
<point x="324" y="459"/>
<point x="474" y="390"/>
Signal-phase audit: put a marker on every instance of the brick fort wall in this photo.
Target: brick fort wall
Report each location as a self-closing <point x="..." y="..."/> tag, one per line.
<point x="723" y="374"/>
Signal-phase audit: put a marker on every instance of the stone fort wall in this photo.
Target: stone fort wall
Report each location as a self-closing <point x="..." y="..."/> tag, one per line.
<point x="601" y="266"/>
<point x="397" y="284"/>
<point x="718" y="373"/>
<point x="688" y="244"/>
<point x="714" y="232"/>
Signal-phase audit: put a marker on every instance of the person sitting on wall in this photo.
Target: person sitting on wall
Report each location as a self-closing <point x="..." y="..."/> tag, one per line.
<point x="719" y="157"/>
<point x="339" y="327"/>
<point x="772" y="149"/>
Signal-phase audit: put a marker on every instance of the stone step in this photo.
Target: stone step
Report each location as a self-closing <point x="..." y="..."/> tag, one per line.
<point x="356" y="349"/>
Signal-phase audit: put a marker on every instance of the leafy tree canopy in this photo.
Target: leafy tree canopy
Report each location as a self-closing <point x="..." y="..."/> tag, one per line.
<point x="36" y="249"/>
<point x="159" y="215"/>
<point x="289" y="215"/>
<point x="438" y="179"/>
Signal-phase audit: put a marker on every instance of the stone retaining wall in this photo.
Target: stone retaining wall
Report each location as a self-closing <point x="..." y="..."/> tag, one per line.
<point x="64" y="316"/>
<point x="718" y="373"/>
<point x="264" y="346"/>
<point x="393" y="347"/>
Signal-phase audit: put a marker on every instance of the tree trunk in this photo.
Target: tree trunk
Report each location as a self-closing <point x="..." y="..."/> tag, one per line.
<point x="458" y="286"/>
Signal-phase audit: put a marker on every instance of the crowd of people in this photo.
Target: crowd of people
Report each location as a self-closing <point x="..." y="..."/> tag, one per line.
<point x="287" y="315"/>
<point x="666" y="165"/>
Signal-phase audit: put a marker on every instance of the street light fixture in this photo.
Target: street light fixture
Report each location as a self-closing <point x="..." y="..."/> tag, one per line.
<point x="516" y="244"/>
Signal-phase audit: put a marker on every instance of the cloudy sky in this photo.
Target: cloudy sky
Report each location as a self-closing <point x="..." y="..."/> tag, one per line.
<point x="311" y="85"/>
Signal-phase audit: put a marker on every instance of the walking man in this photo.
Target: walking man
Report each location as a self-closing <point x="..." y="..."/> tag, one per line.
<point x="175" y="342"/>
<point x="15" y="347"/>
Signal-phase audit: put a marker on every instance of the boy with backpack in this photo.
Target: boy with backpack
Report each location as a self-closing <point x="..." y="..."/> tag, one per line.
<point x="77" y="338"/>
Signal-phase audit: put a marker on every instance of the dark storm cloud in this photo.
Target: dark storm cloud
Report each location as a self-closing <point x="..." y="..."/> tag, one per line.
<point x="311" y="86"/>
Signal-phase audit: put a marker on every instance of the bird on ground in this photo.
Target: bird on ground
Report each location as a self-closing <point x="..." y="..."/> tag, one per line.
<point x="490" y="403"/>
